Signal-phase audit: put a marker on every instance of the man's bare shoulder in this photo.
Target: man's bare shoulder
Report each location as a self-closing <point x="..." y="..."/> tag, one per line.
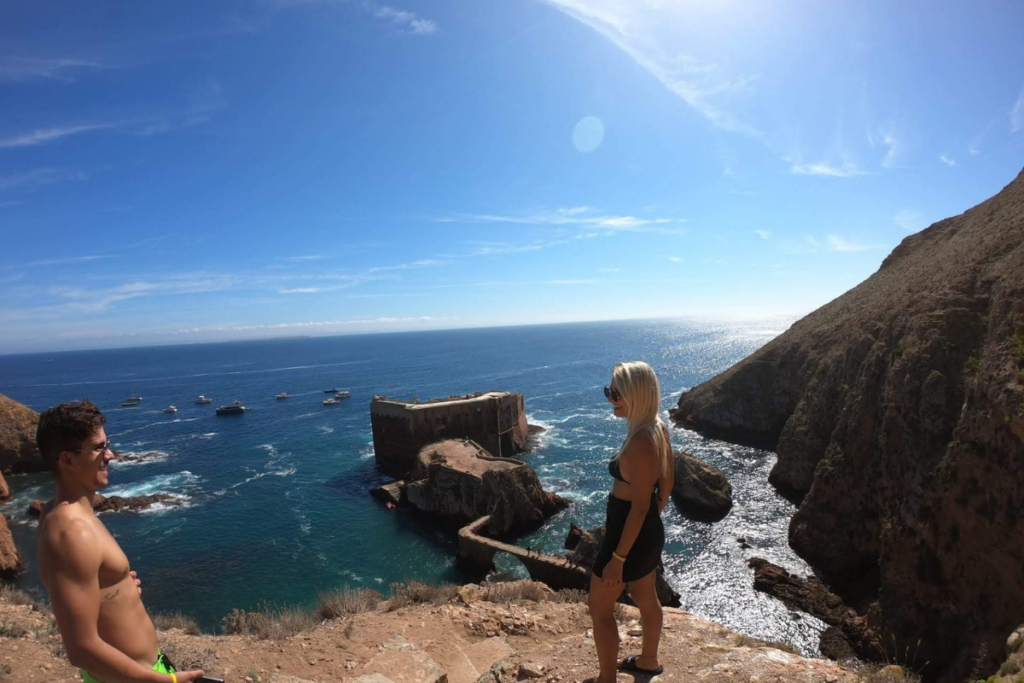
<point x="64" y="530"/>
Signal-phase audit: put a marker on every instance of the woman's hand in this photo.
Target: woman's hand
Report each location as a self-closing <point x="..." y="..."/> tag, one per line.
<point x="138" y="581"/>
<point x="612" y="572"/>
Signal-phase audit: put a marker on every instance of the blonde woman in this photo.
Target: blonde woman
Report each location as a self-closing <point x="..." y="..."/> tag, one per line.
<point x="634" y="538"/>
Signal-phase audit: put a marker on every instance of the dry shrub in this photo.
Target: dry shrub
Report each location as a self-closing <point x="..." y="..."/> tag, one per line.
<point x="417" y="593"/>
<point x="271" y="622"/>
<point x="346" y="601"/>
<point x="167" y="621"/>
<point x="16" y="596"/>
<point x="187" y="657"/>
<point x="514" y="592"/>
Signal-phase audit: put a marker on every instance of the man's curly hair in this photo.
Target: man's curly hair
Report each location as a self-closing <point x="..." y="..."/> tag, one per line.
<point x="64" y="427"/>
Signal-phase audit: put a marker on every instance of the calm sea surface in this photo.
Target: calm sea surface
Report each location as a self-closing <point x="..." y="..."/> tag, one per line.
<point x="275" y="503"/>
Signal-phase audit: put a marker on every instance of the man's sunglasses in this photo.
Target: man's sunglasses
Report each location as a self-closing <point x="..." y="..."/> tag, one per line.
<point x="613" y="394"/>
<point x="99" y="448"/>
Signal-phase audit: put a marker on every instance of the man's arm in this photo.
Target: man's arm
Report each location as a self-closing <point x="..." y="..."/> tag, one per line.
<point x="75" y="597"/>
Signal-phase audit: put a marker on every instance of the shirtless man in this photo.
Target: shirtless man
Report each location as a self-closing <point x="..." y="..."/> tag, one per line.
<point x="94" y="594"/>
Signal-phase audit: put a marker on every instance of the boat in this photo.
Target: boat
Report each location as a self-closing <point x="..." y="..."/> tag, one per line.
<point x="170" y="409"/>
<point x="331" y="391"/>
<point x="282" y="395"/>
<point x="203" y="399"/>
<point x="129" y="404"/>
<point x="331" y="402"/>
<point x="134" y="397"/>
<point x="343" y="394"/>
<point x="235" y="408"/>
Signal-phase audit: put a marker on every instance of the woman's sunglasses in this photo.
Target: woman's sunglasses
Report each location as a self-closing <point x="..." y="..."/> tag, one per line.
<point x="612" y="394"/>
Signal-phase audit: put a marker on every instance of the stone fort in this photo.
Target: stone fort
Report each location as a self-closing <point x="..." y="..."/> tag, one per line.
<point x="494" y="419"/>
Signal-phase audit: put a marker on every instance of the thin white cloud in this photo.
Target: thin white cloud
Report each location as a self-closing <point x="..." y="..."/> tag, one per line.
<point x="763" y="234"/>
<point x="909" y="220"/>
<point x="415" y="24"/>
<point x="71" y="259"/>
<point x="575" y="216"/>
<point x="571" y="283"/>
<point x="948" y="161"/>
<point x="306" y="325"/>
<point x="846" y="170"/>
<point x="1017" y="114"/>
<point x="301" y="290"/>
<point x="675" y="259"/>
<point x="894" y="150"/>
<point x="630" y="25"/>
<point x="609" y="270"/>
<point x="307" y="257"/>
<point x="19" y="69"/>
<point x="837" y="243"/>
<point x="421" y="263"/>
<point x="42" y="135"/>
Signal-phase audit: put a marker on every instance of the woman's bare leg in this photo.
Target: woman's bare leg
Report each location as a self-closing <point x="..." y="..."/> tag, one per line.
<point x="606" y="632"/>
<point x="645" y="596"/>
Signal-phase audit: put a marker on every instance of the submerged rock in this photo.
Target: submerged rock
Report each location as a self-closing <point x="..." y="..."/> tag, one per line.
<point x="700" y="488"/>
<point x="897" y="412"/>
<point x="459" y="481"/>
<point x="131" y="504"/>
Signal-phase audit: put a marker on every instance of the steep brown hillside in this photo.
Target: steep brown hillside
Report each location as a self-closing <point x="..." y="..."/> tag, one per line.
<point x="18" y="452"/>
<point x="897" y="412"/>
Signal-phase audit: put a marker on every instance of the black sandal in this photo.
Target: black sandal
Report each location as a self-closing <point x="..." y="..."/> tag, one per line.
<point x="629" y="664"/>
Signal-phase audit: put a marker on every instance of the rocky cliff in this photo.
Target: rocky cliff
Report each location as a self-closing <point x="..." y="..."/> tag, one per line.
<point x="897" y="412"/>
<point x="10" y="561"/>
<point x="18" y="452"/>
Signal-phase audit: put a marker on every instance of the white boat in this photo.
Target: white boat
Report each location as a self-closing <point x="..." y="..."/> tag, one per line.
<point x="331" y="402"/>
<point x="203" y="399"/>
<point x="170" y="409"/>
<point x="282" y="395"/>
<point x="343" y="394"/>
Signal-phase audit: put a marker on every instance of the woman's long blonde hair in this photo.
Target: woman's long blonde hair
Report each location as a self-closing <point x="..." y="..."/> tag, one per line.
<point x="641" y="393"/>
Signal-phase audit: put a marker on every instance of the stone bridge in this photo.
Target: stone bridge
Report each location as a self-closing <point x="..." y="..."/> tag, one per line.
<point x="477" y="552"/>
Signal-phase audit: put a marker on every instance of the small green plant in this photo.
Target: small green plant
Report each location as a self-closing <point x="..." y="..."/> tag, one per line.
<point x="1020" y="376"/>
<point x="899" y="352"/>
<point x="1019" y="679"/>
<point x="1009" y="668"/>
<point x="254" y="675"/>
<point x="10" y="630"/>
<point x="5" y="669"/>
<point x="1017" y="348"/>
<point x="972" y="365"/>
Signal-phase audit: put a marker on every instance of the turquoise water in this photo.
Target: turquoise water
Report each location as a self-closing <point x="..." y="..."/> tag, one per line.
<point x="275" y="503"/>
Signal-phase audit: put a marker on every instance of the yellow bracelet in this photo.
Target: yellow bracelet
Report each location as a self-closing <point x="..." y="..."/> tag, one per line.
<point x="618" y="557"/>
<point x="174" y="679"/>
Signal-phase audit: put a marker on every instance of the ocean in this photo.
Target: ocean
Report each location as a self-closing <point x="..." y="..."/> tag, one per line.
<point x="275" y="505"/>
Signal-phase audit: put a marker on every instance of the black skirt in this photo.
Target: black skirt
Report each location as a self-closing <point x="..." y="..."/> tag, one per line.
<point x="645" y="555"/>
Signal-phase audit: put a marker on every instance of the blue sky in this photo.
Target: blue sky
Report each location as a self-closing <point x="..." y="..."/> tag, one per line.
<point x="182" y="172"/>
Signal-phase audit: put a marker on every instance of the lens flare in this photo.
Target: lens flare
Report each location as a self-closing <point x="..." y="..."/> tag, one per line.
<point x="588" y="134"/>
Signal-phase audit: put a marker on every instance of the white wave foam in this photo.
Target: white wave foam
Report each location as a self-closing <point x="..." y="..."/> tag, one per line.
<point x="166" y="483"/>
<point x="152" y="457"/>
<point x="325" y="430"/>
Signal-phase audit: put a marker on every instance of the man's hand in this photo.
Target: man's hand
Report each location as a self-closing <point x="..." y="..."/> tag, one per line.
<point x="138" y="581"/>
<point x="612" y="572"/>
<point x="188" y="676"/>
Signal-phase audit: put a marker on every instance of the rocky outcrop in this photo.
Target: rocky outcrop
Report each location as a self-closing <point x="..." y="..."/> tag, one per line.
<point x="5" y="492"/>
<point x="700" y="489"/>
<point x="115" y="503"/>
<point x="897" y="412"/>
<point x="459" y="481"/>
<point x="583" y="546"/>
<point x="849" y="632"/>
<point x="10" y="561"/>
<point x="18" y="451"/>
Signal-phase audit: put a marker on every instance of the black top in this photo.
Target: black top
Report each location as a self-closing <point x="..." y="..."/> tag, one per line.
<point x="615" y="470"/>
